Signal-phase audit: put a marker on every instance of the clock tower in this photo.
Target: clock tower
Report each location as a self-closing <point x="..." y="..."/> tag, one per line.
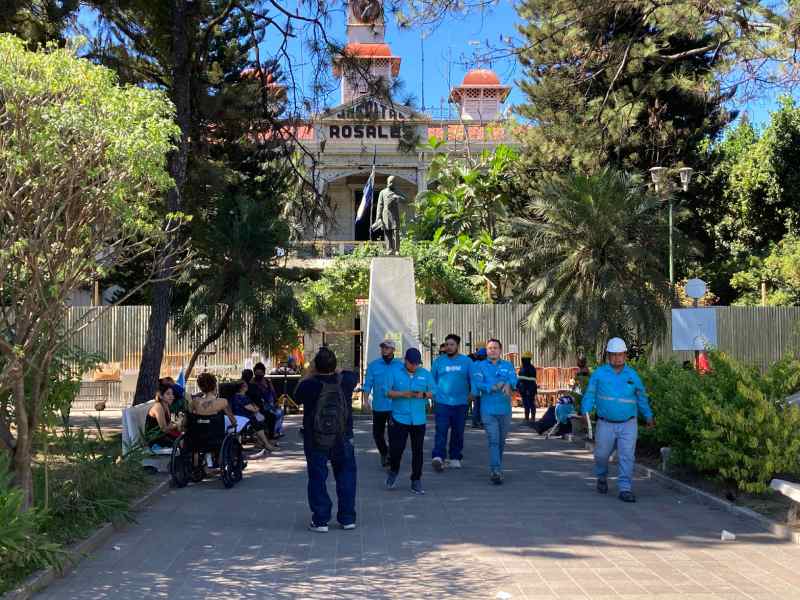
<point x="365" y="21"/>
<point x="366" y="61"/>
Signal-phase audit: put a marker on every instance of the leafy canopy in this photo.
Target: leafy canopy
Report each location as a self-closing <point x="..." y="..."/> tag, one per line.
<point x="589" y="252"/>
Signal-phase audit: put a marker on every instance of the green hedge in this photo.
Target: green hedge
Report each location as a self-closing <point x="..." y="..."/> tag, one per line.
<point x="732" y="423"/>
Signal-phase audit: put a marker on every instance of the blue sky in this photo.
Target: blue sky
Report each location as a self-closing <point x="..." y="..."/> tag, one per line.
<point x="451" y="49"/>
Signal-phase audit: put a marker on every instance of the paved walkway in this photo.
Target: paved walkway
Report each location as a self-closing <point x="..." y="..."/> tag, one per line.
<point x="544" y="534"/>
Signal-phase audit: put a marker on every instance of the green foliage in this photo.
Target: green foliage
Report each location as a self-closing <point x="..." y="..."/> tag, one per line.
<point x="23" y="546"/>
<point x="622" y="83"/>
<point x="746" y="204"/>
<point x="334" y="294"/>
<point x="94" y="485"/>
<point x="37" y="21"/>
<point x="731" y="423"/>
<point x="236" y="283"/>
<point x="780" y="270"/>
<point x="589" y="254"/>
<point x="465" y="212"/>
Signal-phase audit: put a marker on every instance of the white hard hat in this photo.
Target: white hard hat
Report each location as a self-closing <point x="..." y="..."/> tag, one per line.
<point x="616" y="345"/>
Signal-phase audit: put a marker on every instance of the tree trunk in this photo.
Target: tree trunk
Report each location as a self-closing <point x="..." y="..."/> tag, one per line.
<point x="153" y="351"/>
<point x="180" y="94"/>
<point x="213" y="337"/>
<point x="23" y="475"/>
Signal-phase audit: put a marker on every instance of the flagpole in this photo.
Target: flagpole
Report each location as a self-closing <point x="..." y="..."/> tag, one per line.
<point x="372" y="191"/>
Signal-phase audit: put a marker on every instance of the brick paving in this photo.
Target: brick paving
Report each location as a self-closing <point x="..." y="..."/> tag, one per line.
<point x="545" y="534"/>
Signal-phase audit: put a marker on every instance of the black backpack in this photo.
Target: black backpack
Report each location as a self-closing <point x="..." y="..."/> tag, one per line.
<point x="330" y="416"/>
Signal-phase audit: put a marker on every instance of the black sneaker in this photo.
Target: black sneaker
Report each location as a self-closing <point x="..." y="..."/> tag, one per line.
<point x="602" y="486"/>
<point x="496" y="478"/>
<point x="627" y="496"/>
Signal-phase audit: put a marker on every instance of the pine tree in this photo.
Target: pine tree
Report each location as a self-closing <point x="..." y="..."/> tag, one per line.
<point x="618" y="83"/>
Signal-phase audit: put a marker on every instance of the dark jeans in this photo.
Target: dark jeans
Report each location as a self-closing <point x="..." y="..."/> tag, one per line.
<point x="476" y="411"/>
<point x="452" y="418"/>
<point x="529" y="402"/>
<point x="398" y="435"/>
<point x="343" y="461"/>
<point x="380" y="418"/>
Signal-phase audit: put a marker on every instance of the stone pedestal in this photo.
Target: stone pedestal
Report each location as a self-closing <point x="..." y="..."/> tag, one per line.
<point x="392" y="311"/>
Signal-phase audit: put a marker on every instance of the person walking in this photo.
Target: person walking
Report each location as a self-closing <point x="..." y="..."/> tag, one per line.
<point x="411" y="388"/>
<point x="616" y="392"/>
<point x="475" y="397"/>
<point x="378" y="381"/>
<point x="495" y="379"/>
<point x="526" y="386"/>
<point x="451" y="375"/>
<point x="327" y="437"/>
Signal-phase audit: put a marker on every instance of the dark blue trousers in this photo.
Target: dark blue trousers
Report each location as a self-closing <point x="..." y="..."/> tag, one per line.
<point x="343" y="461"/>
<point x="452" y="419"/>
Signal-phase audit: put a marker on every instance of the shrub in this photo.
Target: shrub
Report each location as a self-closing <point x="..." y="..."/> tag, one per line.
<point x="22" y="547"/>
<point x="731" y="423"/>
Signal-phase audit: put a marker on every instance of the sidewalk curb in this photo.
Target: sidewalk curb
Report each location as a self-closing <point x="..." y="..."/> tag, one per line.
<point x="773" y="527"/>
<point x="78" y="551"/>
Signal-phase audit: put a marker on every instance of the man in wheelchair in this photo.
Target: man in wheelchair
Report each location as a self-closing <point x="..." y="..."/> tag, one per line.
<point x="209" y="440"/>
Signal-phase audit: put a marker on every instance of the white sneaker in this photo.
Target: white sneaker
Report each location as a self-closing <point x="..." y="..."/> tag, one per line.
<point x="454" y="463"/>
<point x="260" y="454"/>
<point x="318" y="528"/>
<point x="437" y="464"/>
<point x="349" y="526"/>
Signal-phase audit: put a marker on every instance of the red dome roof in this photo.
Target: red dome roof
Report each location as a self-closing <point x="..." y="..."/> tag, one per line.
<point x="367" y="50"/>
<point x="481" y="77"/>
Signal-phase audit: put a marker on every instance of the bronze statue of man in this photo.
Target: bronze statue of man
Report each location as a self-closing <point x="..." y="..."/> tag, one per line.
<point x="388" y="215"/>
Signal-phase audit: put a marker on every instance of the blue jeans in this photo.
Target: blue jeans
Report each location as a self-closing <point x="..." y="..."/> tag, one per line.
<point x="476" y="411"/>
<point x="343" y="461"/>
<point x="496" y="427"/>
<point x="623" y="436"/>
<point x="453" y="418"/>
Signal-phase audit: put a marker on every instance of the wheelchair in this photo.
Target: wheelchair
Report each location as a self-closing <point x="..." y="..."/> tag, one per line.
<point x="207" y="438"/>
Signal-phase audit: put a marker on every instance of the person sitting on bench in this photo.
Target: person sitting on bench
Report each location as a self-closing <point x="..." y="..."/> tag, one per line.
<point x="159" y="427"/>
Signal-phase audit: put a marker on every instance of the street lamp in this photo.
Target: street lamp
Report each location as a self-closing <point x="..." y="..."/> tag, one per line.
<point x="660" y="178"/>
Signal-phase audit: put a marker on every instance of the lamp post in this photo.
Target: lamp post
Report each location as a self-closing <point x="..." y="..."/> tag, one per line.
<point x="659" y="175"/>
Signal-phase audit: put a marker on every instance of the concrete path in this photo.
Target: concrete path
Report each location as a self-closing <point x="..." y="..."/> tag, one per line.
<point x="544" y="534"/>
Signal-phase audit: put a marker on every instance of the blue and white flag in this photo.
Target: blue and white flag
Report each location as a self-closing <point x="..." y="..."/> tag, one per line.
<point x="366" y="198"/>
<point x="181" y="381"/>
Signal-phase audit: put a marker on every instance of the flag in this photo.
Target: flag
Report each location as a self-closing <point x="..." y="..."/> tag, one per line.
<point x="366" y="198"/>
<point x="181" y="381"/>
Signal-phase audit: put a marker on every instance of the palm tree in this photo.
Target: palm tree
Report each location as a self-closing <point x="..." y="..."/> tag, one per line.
<point x="589" y="251"/>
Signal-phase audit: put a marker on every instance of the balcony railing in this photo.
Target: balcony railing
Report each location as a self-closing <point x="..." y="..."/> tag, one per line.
<point x="324" y="248"/>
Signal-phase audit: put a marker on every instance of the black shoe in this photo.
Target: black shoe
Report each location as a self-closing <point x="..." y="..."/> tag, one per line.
<point x="496" y="478"/>
<point x="602" y="486"/>
<point x="627" y="497"/>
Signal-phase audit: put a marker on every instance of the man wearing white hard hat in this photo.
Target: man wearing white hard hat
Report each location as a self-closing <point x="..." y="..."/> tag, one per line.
<point x="617" y="394"/>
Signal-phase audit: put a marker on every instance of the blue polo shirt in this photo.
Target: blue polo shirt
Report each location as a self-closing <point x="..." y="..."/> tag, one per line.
<point x="411" y="411"/>
<point x="452" y="379"/>
<point x="485" y="376"/>
<point x="378" y="380"/>
<point x="616" y="396"/>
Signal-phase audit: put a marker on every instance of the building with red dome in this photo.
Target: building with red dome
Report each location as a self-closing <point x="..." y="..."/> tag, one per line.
<point x="369" y="127"/>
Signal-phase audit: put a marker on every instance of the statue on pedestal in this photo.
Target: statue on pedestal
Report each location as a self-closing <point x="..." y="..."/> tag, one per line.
<point x="388" y="215"/>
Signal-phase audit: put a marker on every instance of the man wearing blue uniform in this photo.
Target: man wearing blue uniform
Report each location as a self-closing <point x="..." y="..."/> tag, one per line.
<point x="494" y="379"/>
<point x="617" y="394"/>
<point x="378" y="380"/>
<point x="411" y="388"/>
<point x="451" y="374"/>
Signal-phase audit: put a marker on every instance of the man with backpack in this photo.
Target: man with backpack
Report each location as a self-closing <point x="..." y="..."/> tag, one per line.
<point x="327" y="436"/>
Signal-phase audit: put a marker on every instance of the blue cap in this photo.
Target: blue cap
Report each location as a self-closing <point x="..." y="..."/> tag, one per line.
<point x="481" y="352"/>
<point x="413" y="356"/>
